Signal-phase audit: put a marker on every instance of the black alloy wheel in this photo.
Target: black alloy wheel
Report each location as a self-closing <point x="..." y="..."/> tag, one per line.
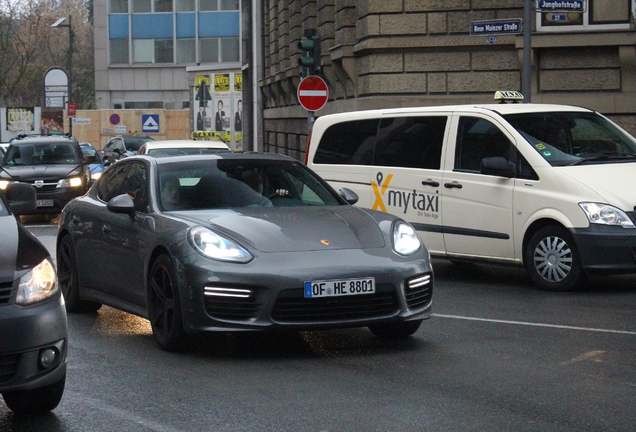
<point x="552" y="259"/>
<point x="67" y="278"/>
<point x="164" y="306"/>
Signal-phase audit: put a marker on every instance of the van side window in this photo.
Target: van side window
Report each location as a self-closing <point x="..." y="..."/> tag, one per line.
<point x="351" y="142"/>
<point x="478" y="138"/>
<point x="524" y="169"/>
<point x="411" y="142"/>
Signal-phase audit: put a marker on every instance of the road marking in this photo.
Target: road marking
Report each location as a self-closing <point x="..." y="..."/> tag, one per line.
<point x="536" y="324"/>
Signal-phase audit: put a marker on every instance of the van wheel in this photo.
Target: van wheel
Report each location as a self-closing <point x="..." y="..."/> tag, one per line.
<point x="67" y="278"/>
<point x="35" y="401"/>
<point x="553" y="260"/>
<point x="395" y="330"/>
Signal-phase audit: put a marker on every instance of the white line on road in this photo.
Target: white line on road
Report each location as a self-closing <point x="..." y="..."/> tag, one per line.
<point x="535" y="324"/>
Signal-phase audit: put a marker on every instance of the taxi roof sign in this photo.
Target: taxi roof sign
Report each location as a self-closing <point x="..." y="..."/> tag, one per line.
<point x="505" y="96"/>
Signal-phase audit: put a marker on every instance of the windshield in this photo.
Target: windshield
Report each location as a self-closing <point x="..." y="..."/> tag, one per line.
<point x="41" y="154"/>
<point x="133" y="144"/>
<point x="224" y="183"/>
<point x="574" y="138"/>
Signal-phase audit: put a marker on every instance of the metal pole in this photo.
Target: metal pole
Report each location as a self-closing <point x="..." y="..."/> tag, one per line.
<point x="526" y="86"/>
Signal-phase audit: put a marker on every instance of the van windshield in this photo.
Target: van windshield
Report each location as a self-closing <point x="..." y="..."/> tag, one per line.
<point x="574" y="138"/>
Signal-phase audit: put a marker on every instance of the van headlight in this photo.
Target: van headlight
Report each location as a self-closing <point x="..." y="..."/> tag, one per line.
<point x="217" y="247"/>
<point x="38" y="284"/>
<point x="4" y="184"/>
<point x="605" y="214"/>
<point x="405" y="239"/>
<point x="70" y="182"/>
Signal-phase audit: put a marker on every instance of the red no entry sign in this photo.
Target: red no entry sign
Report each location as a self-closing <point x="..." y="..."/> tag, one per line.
<point x="313" y="93"/>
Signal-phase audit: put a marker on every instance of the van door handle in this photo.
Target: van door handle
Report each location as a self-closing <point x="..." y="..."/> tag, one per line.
<point x="453" y="185"/>
<point x="429" y="182"/>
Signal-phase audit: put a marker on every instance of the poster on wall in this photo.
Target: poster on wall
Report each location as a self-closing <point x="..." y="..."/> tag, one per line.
<point x="202" y="96"/>
<point x="52" y="123"/>
<point x="20" y="119"/>
<point x="238" y="110"/>
<point x="222" y="105"/>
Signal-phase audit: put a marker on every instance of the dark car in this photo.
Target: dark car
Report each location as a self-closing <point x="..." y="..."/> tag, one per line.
<point x="239" y="241"/>
<point x="94" y="158"/>
<point x="120" y="147"/>
<point x="54" y="165"/>
<point x="33" y="328"/>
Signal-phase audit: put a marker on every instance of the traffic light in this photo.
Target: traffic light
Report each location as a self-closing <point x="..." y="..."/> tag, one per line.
<point x="310" y="59"/>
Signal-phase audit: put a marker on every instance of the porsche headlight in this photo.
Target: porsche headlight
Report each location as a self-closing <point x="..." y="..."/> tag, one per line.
<point x="38" y="284"/>
<point x="70" y="182"/>
<point x="605" y="214"/>
<point x="405" y="239"/>
<point x="217" y="247"/>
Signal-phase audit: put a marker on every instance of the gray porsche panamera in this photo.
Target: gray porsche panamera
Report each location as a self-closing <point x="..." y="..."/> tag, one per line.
<point x="239" y="241"/>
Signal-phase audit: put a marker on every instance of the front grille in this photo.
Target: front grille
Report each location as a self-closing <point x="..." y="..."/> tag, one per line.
<point x="292" y="307"/>
<point x="48" y="186"/>
<point x="8" y="367"/>
<point x="232" y="308"/>
<point x="6" y="290"/>
<point x="419" y="291"/>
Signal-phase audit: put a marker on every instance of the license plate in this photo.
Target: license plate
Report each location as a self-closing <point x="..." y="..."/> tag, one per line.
<point x="45" y="203"/>
<point x="340" y="287"/>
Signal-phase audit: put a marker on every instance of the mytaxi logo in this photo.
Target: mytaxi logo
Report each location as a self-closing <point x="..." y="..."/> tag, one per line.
<point x="379" y="188"/>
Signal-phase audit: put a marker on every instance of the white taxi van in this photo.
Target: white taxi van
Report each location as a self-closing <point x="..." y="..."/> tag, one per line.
<point x="548" y="187"/>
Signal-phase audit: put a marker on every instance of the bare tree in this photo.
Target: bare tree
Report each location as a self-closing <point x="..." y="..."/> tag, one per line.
<point x="29" y="46"/>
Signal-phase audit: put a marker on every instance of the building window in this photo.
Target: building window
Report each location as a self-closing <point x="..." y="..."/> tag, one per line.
<point x="229" y="5"/>
<point x="143" y="50"/>
<point x="229" y="49"/>
<point x="119" y="51"/>
<point x="186" y="51"/>
<point x="163" y="5"/>
<point x="209" y="50"/>
<point x="164" y="51"/>
<point x="185" y="5"/>
<point x="118" y="6"/>
<point x="142" y="6"/>
<point x="600" y="15"/>
<point x="143" y="105"/>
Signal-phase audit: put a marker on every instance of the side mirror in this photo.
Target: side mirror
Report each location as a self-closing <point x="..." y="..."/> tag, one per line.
<point x="21" y="198"/>
<point x="348" y="195"/>
<point x="123" y="204"/>
<point x="90" y="159"/>
<point x="497" y="166"/>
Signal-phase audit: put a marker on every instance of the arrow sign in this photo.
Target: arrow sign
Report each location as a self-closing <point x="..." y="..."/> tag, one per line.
<point x="203" y="93"/>
<point x="313" y="93"/>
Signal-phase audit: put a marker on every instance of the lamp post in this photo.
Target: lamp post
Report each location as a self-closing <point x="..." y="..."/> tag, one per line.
<point x="58" y="23"/>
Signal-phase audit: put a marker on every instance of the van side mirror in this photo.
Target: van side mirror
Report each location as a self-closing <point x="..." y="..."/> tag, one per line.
<point x="348" y="195"/>
<point x="497" y="166"/>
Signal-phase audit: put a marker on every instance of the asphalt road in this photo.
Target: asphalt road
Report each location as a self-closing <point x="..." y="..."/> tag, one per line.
<point x="498" y="355"/>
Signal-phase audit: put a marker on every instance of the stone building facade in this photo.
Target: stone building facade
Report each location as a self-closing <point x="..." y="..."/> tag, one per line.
<point x="398" y="53"/>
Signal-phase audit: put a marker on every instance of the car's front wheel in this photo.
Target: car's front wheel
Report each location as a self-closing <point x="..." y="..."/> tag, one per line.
<point x="395" y="330"/>
<point x="67" y="278"/>
<point x="552" y="259"/>
<point x="36" y="401"/>
<point x="164" y="305"/>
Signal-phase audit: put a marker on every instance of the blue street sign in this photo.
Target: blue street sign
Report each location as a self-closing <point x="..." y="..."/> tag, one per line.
<point x="496" y="27"/>
<point x="150" y="122"/>
<point x="560" y="6"/>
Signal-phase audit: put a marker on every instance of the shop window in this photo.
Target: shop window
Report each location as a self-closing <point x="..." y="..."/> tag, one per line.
<point x="599" y="15"/>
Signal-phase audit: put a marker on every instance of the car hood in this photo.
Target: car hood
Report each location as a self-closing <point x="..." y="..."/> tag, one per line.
<point x="32" y="172"/>
<point x="295" y="229"/>
<point x="8" y="247"/>
<point x="613" y="182"/>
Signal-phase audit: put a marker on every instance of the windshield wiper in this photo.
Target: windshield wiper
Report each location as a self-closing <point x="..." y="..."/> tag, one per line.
<point x="605" y="157"/>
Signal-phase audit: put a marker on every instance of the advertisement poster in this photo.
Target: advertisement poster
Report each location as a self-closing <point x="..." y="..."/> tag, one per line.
<point x="20" y="119"/>
<point x="52" y="122"/>
<point x="222" y="105"/>
<point x="238" y="109"/>
<point x="202" y="97"/>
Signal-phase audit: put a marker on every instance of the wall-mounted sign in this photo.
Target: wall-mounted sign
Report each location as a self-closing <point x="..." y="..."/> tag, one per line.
<point x="55" y="87"/>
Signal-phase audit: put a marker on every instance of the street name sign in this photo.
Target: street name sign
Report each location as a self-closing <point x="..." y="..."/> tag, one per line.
<point x="496" y="27"/>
